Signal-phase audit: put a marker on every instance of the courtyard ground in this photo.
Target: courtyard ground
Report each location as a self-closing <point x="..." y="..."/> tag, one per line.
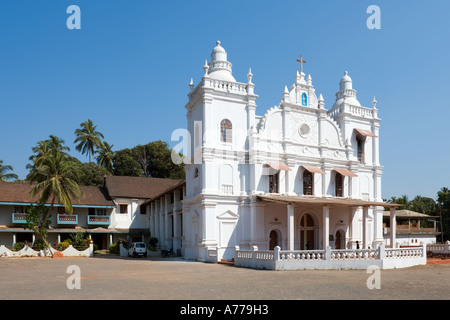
<point x="105" y="277"/>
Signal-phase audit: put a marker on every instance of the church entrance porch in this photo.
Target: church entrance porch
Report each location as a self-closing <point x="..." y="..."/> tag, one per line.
<point x="320" y="233"/>
<point x="312" y="223"/>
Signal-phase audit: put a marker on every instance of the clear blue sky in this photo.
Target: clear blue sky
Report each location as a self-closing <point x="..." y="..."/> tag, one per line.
<point x="129" y="66"/>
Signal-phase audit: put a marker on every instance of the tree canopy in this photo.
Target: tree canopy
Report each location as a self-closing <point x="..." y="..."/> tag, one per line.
<point x="150" y="160"/>
<point x="5" y="173"/>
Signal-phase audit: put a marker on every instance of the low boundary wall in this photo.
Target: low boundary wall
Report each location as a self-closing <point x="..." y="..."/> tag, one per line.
<point x="443" y="248"/>
<point x="383" y="258"/>
<point x="26" y="251"/>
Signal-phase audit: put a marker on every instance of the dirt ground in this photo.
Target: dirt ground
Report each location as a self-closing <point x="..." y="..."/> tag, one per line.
<point x="104" y="277"/>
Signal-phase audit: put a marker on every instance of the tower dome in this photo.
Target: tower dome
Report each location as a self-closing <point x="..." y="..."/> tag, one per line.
<point x="220" y="67"/>
<point x="346" y="82"/>
<point x="218" y="53"/>
<point x="346" y="92"/>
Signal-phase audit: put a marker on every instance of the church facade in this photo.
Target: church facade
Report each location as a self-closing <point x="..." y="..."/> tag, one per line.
<point x="299" y="177"/>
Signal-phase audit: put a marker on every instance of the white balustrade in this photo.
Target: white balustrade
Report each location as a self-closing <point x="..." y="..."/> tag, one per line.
<point x="302" y="255"/>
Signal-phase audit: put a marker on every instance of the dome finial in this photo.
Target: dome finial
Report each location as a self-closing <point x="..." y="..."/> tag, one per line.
<point x="374" y="102"/>
<point x="218" y="42"/>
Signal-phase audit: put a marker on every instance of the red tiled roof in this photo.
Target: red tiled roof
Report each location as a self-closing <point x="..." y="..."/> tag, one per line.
<point x="19" y="192"/>
<point x="138" y="187"/>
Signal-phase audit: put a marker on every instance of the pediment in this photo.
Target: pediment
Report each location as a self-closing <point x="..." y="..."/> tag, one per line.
<point x="228" y="215"/>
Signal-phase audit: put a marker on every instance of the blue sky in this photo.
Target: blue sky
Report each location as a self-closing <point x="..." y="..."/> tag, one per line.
<point x="129" y="66"/>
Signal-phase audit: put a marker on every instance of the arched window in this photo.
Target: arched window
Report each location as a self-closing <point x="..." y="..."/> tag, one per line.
<point x="196" y="172"/>
<point x="304" y="99"/>
<point x="308" y="183"/>
<point x="360" y="146"/>
<point x="226" y="131"/>
<point x="338" y="184"/>
<point x="273" y="183"/>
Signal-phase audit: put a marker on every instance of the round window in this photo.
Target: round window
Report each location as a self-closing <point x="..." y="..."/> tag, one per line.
<point x="304" y="130"/>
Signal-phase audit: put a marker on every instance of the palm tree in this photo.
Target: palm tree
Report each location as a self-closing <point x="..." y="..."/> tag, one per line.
<point x="105" y="156"/>
<point x="88" y="138"/>
<point x="3" y="172"/>
<point x="55" y="180"/>
<point x="43" y="150"/>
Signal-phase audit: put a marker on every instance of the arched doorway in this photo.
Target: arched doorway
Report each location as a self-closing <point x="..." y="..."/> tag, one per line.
<point x="273" y="239"/>
<point x="307" y="233"/>
<point x="339" y="240"/>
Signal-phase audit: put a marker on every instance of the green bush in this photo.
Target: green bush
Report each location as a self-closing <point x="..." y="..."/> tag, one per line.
<point x="62" y="246"/>
<point x="39" y="244"/>
<point x="114" y="248"/>
<point x="153" y="242"/>
<point x="18" y="246"/>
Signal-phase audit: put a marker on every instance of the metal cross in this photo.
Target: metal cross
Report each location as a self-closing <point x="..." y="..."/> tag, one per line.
<point x="301" y="63"/>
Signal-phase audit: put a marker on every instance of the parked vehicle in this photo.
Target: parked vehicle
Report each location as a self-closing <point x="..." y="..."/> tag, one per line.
<point x="137" y="249"/>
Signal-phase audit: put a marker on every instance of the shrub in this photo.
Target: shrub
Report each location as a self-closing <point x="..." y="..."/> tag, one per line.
<point x="39" y="244"/>
<point x="62" y="246"/>
<point x="153" y="242"/>
<point x="18" y="246"/>
<point x="114" y="248"/>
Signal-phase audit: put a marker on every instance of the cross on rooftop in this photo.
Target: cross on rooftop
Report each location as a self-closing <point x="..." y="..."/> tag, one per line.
<point x="301" y="63"/>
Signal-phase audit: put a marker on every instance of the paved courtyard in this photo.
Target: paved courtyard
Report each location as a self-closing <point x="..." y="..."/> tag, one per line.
<point x="120" y="278"/>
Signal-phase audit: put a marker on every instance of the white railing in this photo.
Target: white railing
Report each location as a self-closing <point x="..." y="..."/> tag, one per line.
<point x="355" y="110"/>
<point x="402" y="253"/>
<point x="227" y="188"/>
<point x="330" y="259"/>
<point x="302" y="255"/>
<point x="364" y="254"/>
<point x="229" y="86"/>
<point x="439" y="247"/>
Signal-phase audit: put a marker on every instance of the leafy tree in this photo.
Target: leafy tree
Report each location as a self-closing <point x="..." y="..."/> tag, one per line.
<point x="124" y="164"/>
<point x="4" y="175"/>
<point x="423" y="205"/>
<point x="38" y="221"/>
<point x="88" y="138"/>
<point x="160" y="164"/>
<point x="155" y="161"/>
<point x="89" y="173"/>
<point x="105" y="156"/>
<point x="443" y="206"/>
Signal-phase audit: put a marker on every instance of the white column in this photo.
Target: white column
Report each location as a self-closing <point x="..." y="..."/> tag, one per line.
<point x="161" y="222"/>
<point x="365" y="216"/>
<point x="290" y="220"/>
<point x="393" y="226"/>
<point x="167" y="233"/>
<point x="378" y="227"/>
<point x="176" y="236"/>
<point x="326" y="226"/>
<point x="252" y="221"/>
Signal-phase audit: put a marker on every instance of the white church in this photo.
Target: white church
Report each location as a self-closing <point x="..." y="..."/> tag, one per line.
<point x="298" y="187"/>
